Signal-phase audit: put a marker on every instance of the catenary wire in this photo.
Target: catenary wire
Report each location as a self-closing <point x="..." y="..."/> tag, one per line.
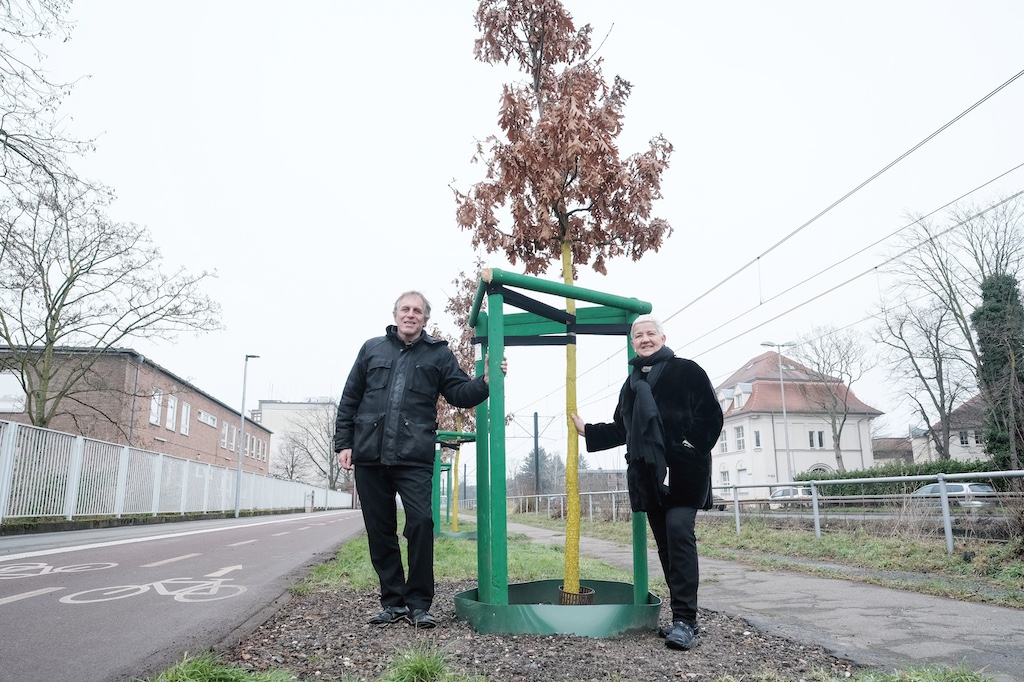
<point x="848" y="194"/>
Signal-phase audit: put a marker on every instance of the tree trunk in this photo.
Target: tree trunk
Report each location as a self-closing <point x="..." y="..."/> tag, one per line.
<point x="572" y="455"/>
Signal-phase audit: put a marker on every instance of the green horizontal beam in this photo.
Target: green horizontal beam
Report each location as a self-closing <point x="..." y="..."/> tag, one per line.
<point x="496" y="276"/>
<point x="462" y="436"/>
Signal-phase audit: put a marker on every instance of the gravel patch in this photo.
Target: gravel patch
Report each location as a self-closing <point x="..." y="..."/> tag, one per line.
<point x="324" y="636"/>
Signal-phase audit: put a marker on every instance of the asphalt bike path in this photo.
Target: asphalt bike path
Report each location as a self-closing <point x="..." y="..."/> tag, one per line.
<point x="107" y="606"/>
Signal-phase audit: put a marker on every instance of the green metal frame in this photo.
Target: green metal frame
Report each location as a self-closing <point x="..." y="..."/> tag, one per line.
<point x="442" y="467"/>
<point x="541" y="325"/>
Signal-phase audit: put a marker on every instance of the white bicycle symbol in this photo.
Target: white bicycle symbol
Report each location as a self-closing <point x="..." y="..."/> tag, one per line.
<point x="29" y="570"/>
<point x="190" y="591"/>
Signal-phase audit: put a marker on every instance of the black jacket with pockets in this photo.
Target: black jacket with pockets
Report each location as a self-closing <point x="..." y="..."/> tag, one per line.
<point x="388" y="410"/>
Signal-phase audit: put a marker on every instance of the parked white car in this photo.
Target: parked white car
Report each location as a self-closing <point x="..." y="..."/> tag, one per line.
<point x="790" y="497"/>
<point x="960" y="495"/>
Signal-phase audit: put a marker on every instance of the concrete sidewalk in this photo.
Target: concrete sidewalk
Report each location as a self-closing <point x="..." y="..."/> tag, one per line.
<point x="869" y="625"/>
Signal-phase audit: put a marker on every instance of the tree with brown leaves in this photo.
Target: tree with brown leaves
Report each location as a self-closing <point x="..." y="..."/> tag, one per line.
<point x="558" y="169"/>
<point x="558" y="172"/>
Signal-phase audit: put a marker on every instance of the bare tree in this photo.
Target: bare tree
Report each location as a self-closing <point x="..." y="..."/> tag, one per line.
<point x="550" y="468"/>
<point x="937" y="375"/>
<point x="948" y="264"/>
<point x="310" y="437"/>
<point x="72" y="278"/>
<point x="840" y="358"/>
<point x="291" y="461"/>
<point x="33" y="146"/>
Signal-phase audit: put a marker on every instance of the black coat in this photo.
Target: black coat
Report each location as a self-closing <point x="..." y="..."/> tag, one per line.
<point x="692" y="422"/>
<point x="388" y="410"/>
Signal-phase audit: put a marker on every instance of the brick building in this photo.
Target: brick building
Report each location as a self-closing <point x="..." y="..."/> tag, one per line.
<point x="125" y="398"/>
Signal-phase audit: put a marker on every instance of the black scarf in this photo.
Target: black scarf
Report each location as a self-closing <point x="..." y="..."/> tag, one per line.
<point x="645" y="439"/>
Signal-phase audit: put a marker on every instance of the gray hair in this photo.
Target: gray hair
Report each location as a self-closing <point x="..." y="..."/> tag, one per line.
<point x="647" y="318"/>
<point x="426" y="304"/>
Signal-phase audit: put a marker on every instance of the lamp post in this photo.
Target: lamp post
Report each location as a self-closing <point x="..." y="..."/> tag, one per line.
<point x="782" y="389"/>
<point x="241" y="441"/>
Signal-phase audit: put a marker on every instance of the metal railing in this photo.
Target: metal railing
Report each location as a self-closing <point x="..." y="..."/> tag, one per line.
<point x="613" y="505"/>
<point x="45" y="473"/>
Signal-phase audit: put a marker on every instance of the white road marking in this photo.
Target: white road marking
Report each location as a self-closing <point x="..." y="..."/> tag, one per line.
<point x="224" y="571"/>
<point x="287" y="532"/>
<point x="169" y="561"/>
<point x="27" y="595"/>
<point x="164" y="536"/>
<point x="243" y="542"/>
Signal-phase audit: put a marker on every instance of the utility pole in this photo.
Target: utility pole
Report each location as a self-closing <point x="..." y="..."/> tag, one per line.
<point x="536" y="457"/>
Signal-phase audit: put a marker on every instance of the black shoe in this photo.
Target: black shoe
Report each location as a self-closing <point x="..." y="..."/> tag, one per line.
<point x="389" y="615"/>
<point x="421" y="618"/>
<point x="681" y="636"/>
<point x="665" y="629"/>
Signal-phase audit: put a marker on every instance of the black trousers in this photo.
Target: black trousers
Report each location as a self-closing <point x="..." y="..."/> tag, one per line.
<point x="674" y="532"/>
<point x="377" y="487"/>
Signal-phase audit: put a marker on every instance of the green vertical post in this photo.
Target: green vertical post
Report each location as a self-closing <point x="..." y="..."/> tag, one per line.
<point x="499" y="511"/>
<point x="435" y="498"/>
<point x="448" y="496"/>
<point x="641" y="579"/>
<point x="483" y="467"/>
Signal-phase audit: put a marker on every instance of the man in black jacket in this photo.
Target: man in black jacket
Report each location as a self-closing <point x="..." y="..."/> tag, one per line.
<point x="386" y="427"/>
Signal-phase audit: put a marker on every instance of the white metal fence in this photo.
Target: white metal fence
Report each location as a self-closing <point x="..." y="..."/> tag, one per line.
<point x="46" y="473"/>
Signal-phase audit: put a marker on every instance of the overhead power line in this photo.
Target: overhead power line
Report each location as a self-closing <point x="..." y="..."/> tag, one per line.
<point x="848" y="194"/>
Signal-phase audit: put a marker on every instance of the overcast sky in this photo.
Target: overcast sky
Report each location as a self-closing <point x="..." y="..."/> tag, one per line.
<point x="305" y="151"/>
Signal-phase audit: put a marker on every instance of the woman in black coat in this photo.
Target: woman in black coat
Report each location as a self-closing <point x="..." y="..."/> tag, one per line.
<point x="669" y="419"/>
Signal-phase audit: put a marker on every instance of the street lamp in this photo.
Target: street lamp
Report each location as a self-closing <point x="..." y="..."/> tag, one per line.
<point x="782" y="389"/>
<point x="241" y="441"/>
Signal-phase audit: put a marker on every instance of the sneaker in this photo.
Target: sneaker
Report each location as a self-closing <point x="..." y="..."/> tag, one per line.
<point x="681" y="636"/>
<point x="665" y="629"/>
<point x="389" y="615"/>
<point x="421" y="618"/>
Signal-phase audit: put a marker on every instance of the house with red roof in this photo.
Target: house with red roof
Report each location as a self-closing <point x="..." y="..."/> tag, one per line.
<point x="778" y="424"/>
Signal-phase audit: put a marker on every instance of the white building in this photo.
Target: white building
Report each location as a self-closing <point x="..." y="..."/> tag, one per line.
<point x="966" y="426"/>
<point x="308" y="423"/>
<point x="759" y="445"/>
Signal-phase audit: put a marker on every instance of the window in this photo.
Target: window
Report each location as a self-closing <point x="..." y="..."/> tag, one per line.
<point x="12" y="396"/>
<point x="725" y="478"/>
<point x="810" y="439"/>
<point x="821" y="439"/>
<point x="231" y="443"/>
<point x="741" y="441"/>
<point x="978" y="440"/>
<point x="723" y="445"/>
<point x="963" y="438"/>
<point x="757" y="439"/>
<point x="186" y="416"/>
<point x="155" y="406"/>
<point x="207" y="418"/>
<point x="172" y="412"/>
<point x="224" y="436"/>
